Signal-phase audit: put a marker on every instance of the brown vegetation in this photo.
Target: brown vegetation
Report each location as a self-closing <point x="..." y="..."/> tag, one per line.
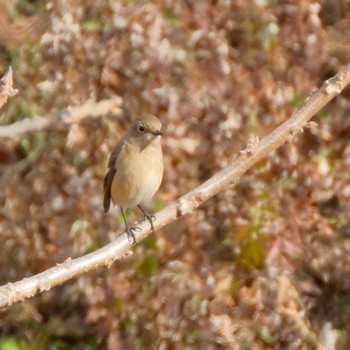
<point x="264" y="264"/>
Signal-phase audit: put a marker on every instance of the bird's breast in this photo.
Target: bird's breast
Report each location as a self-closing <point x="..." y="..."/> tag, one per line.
<point x="139" y="174"/>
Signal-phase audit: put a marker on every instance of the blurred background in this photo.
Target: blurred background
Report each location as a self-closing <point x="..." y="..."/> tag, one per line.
<point x="264" y="264"/>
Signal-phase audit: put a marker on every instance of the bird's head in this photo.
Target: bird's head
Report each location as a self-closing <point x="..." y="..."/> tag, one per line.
<point x="146" y="129"/>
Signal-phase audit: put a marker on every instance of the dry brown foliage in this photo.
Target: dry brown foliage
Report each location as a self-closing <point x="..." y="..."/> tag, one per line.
<point x="265" y="264"/>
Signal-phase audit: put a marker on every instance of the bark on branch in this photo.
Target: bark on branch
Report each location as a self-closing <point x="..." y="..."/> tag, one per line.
<point x="255" y="151"/>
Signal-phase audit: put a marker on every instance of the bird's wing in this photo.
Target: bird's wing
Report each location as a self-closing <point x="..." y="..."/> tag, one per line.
<point x="107" y="184"/>
<point x="112" y="169"/>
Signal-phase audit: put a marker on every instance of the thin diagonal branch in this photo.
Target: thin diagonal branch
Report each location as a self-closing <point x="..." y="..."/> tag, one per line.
<point x="256" y="150"/>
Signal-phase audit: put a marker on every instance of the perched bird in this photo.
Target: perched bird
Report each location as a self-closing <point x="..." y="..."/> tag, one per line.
<point x="135" y="169"/>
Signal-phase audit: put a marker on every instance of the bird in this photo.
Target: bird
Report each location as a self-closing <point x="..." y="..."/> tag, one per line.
<point x="135" y="169"/>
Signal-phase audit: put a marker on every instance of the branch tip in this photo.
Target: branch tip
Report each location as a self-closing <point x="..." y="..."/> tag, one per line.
<point x="7" y="77"/>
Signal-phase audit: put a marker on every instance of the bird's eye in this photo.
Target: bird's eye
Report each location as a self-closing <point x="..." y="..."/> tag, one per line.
<point x="141" y="128"/>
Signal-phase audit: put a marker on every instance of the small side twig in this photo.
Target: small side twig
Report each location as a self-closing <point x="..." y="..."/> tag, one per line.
<point x="6" y="89"/>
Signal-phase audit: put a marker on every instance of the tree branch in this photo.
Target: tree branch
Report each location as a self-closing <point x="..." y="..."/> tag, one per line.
<point x="89" y="109"/>
<point x="256" y="150"/>
<point x="6" y="89"/>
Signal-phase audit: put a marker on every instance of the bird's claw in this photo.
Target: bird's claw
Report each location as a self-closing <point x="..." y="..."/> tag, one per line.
<point x="150" y="218"/>
<point x="130" y="233"/>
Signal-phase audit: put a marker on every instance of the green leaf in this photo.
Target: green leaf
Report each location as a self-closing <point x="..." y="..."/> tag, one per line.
<point x="10" y="343"/>
<point x="150" y="242"/>
<point x="93" y="25"/>
<point x="265" y="335"/>
<point x="148" y="266"/>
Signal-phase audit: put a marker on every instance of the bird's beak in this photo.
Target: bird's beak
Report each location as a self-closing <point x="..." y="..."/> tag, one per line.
<point x="157" y="133"/>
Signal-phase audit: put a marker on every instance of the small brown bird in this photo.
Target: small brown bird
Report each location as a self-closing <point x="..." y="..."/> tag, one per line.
<point x="135" y="169"/>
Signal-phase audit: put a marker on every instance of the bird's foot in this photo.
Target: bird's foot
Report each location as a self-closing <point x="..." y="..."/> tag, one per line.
<point x="130" y="233"/>
<point x="150" y="218"/>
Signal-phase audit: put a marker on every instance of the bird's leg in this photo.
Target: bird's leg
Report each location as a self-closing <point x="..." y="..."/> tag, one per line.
<point x="129" y="230"/>
<point x="149" y="217"/>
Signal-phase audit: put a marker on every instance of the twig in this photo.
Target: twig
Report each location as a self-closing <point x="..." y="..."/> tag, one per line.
<point x="6" y="89"/>
<point x="89" y="109"/>
<point x="28" y="287"/>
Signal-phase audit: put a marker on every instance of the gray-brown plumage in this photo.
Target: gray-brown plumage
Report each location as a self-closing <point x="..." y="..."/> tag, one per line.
<point x="135" y="168"/>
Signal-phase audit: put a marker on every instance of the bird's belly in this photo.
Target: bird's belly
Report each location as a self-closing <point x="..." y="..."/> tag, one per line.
<point x="136" y="180"/>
